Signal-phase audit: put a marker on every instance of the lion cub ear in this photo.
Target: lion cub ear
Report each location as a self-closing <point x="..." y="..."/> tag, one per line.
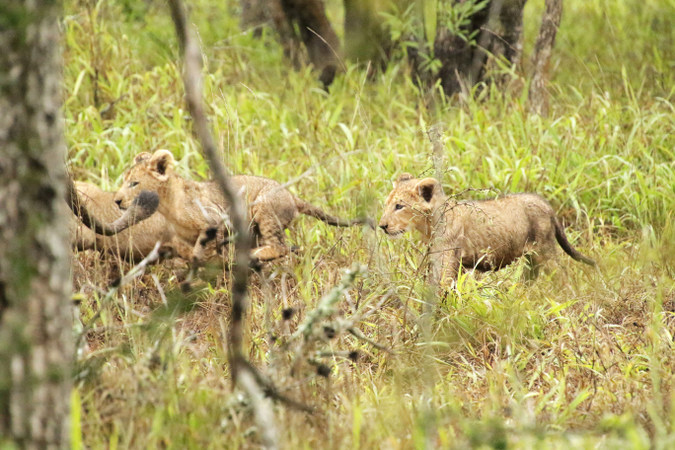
<point x="161" y="162"/>
<point x="141" y="157"/>
<point x="403" y="177"/>
<point x="427" y="188"/>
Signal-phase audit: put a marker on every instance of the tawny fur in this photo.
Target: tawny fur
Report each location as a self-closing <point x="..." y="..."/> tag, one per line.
<point x="134" y="243"/>
<point x="195" y="207"/>
<point x="485" y="235"/>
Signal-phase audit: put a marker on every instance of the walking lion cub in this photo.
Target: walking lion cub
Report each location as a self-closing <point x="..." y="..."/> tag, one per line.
<point x="485" y="235"/>
<point x="193" y="207"/>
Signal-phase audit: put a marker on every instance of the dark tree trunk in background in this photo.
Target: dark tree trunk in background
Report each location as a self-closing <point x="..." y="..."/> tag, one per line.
<point x="365" y="36"/>
<point x="456" y="54"/>
<point x="316" y="33"/>
<point x="459" y="58"/>
<point x="497" y="31"/>
<point x="254" y="14"/>
<point x="298" y="22"/>
<point x="550" y="21"/>
<point x="36" y="347"/>
<point x="511" y="43"/>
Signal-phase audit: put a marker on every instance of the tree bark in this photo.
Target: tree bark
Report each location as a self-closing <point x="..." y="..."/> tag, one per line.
<point x="497" y="28"/>
<point x="511" y="43"/>
<point x="298" y="21"/>
<point x="456" y="53"/>
<point x="316" y="32"/>
<point x="485" y="38"/>
<point x="365" y="37"/>
<point x="538" y="96"/>
<point x="254" y="14"/>
<point x="36" y="348"/>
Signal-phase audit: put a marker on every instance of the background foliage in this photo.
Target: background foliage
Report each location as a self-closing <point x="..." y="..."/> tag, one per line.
<point x="578" y="357"/>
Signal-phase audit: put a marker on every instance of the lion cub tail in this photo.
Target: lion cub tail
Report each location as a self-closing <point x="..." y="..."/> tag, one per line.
<point x="316" y="212"/>
<point x="565" y="244"/>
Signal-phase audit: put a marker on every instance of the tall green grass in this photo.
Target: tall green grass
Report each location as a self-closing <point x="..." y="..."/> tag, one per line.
<point x="577" y="358"/>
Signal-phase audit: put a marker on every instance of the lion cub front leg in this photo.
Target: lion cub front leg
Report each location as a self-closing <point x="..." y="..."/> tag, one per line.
<point x="450" y="252"/>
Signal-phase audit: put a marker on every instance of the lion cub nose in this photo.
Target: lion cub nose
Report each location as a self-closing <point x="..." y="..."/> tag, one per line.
<point x="384" y="227"/>
<point x="119" y="202"/>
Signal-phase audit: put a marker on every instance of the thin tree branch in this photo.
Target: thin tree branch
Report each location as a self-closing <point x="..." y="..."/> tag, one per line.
<point x="359" y="335"/>
<point x="272" y="392"/>
<point x="326" y="305"/>
<point x="262" y="408"/>
<point x="192" y="78"/>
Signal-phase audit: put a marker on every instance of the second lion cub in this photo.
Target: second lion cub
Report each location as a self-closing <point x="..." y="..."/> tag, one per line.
<point x="194" y="207"/>
<point x="485" y="235"/>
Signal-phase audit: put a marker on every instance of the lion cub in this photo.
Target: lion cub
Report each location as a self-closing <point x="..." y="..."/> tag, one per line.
<point x="134" y="243"/>
<point x="485" y="235"/>
<point x="195" y="207"/>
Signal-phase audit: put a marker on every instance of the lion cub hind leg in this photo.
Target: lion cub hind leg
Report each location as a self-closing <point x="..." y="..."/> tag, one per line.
<point x="539" y="257"/>
<point x="270" y="218"/>
<point x="273" y="245"/>
<point x="533" y="266"/>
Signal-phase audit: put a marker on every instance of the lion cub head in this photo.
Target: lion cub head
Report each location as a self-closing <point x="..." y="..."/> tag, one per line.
<point x="149" y="173"/>
<point x="411" y="204"/>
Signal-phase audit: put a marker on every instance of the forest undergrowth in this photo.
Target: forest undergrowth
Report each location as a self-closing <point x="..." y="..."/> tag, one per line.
<point x="579" y="357"/>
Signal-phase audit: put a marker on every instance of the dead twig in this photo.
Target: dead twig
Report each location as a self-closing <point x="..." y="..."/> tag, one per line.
<point x="133" y="273"/>
<point x="192" y="78"/>
<point x="192" y="60"/>
<point x="326" y="306"/>
<point x="264" y="416"/>
<point x="359" y="335"/>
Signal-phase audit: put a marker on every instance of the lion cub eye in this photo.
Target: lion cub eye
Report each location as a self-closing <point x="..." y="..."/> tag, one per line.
<point x="133" y="183"/>
<point x="398" y="206"/>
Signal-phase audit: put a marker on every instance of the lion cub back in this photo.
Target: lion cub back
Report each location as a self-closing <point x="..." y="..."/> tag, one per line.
<point x="267" y="199"/>
<point x="505" y="227"/>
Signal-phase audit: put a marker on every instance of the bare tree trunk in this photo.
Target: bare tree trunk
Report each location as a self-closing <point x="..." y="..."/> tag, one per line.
<point x="36" y="348"/>
<point x="314" y="30"/>
<point x="498" y="30"/>
<point x="511" y="43"/>
<point x="254" y="14"/>
<point x="316" y="33"/>
<point x="365" y="37"/>
<point x="538" y="96"/>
